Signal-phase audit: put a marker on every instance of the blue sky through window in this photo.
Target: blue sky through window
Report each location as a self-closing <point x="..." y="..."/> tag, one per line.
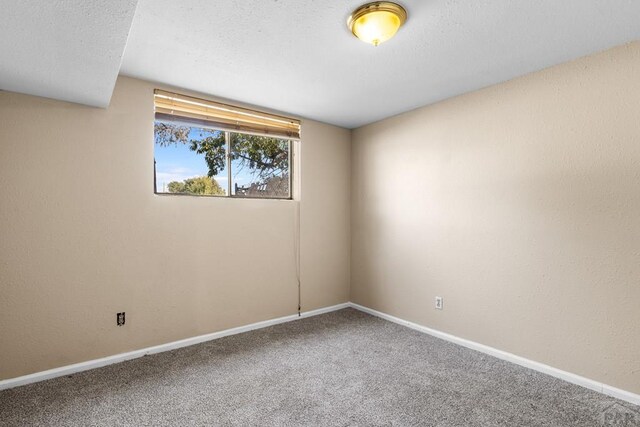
<point x="176" y="162"/>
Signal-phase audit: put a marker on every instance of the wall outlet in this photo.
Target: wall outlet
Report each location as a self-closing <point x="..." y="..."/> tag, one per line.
<point x="120" y="319"/>
<point x="439" y="303"/>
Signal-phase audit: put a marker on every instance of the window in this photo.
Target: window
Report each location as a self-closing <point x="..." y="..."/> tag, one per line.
<point x="211" y="149"/>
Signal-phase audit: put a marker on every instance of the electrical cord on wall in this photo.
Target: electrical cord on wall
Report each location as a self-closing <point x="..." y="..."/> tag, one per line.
<point x="296" y="249"/>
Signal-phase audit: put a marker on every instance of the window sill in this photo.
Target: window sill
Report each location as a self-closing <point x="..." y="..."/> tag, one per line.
<point x="207" y="196"/>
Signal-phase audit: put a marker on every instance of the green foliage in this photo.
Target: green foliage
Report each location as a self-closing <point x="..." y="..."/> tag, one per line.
<point x="167" y="134"/>
<point x="213" y="148"/>
<point x="268" y="157"/>
<point x="202" y="185"/>
<point x="177" y="187"/>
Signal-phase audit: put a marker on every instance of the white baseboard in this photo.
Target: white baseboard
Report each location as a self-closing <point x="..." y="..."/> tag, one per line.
<point x="536" y="366"/>
<point x="109" y="360"/>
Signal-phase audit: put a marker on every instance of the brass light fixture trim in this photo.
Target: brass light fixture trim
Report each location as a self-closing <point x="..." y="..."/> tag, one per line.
<point x="393" y="11"/>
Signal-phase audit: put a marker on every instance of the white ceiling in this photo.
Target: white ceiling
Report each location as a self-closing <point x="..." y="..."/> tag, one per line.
<point x="64" y="49"/>
<point x="298" y="56"/>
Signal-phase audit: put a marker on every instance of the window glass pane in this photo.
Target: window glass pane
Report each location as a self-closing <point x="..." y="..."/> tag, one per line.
<point x="190" y="160"/>
<point x="259" y="166"/>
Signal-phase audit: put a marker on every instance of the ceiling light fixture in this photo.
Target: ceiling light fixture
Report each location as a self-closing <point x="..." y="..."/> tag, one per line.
<point x="377" y="22"/>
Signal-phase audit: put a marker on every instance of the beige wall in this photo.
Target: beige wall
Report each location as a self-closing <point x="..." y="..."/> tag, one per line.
<point x="520" y="205"/>
<point x="83" y="236"/>
<point x="325" y="209"/>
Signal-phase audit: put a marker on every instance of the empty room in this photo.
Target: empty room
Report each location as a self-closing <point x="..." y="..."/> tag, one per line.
<point x="320" y="213"/>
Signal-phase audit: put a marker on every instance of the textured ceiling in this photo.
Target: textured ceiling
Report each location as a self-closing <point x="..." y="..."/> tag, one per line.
<point x="64" y="49"/>
<point x="299" y="57"/>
